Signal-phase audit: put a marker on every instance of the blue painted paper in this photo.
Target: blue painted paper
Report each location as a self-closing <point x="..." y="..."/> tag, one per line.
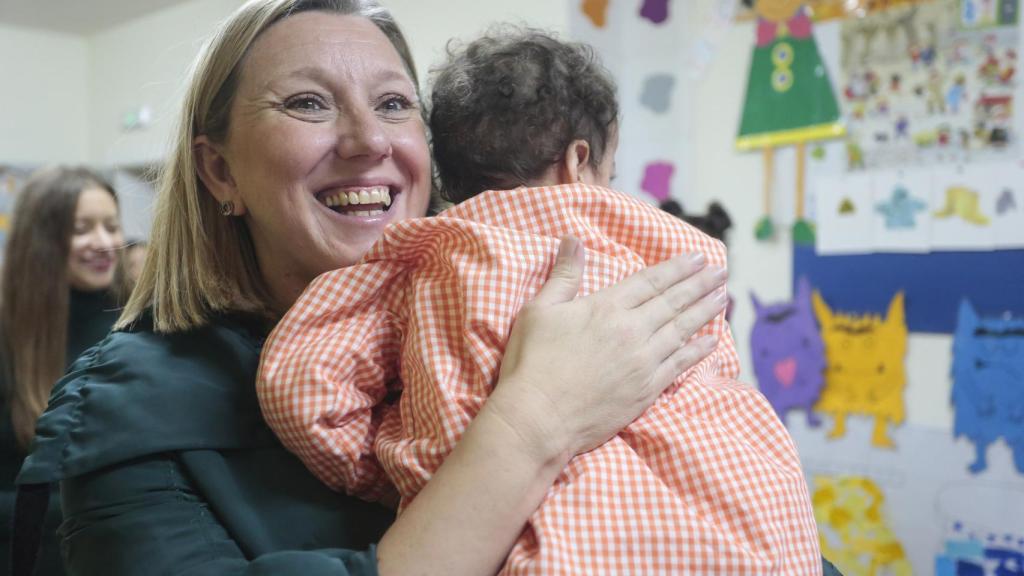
<point x="988" y="384"/>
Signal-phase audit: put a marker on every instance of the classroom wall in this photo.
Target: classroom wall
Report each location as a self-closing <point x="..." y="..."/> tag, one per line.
<point x="144" y="62"/>
<point x="719" y="172"/>
<point x="44" y="98"/>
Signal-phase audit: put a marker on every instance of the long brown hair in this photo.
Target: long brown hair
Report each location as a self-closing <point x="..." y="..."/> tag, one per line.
<point x="34" y="290"/>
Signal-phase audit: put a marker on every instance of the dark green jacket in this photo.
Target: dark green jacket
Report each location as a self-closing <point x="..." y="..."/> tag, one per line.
<point x="166" y="466"/>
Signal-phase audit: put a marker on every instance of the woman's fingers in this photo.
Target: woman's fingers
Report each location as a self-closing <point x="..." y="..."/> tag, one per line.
<point x="671" y="305"/>
<point x="672" y="335"/>
<point x="655" y="280"/>
<point x="564" y="281"/>
<point x="682" y="360"/>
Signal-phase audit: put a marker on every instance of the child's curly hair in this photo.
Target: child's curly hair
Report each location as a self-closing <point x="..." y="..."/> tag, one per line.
<point x="505" y="107"/>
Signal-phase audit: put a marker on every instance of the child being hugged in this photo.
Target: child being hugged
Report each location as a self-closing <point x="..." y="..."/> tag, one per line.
<point x="524" y="129"/>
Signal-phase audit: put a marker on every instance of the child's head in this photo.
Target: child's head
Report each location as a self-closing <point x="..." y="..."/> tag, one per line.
<point x="520" y="107"/>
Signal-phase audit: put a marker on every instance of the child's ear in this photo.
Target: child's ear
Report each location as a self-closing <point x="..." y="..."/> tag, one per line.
<point x="574" y="162"/>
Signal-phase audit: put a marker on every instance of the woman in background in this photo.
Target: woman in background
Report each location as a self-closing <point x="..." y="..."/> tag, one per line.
<point x="58" y="296"/>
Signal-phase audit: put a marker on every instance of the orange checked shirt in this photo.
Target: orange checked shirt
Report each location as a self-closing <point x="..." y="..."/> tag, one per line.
<point x="706" y="481"/>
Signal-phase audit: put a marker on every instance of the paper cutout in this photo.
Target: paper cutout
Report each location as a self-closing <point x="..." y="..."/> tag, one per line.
<point x="854" y="527"/>
<point x="1006" y="202"/>
<point x="844" y="215"/>
<point x="901" y="221"/>
<point x="865" y="374"/>
<point x="657" y="176"/>
<point x="919" y="88"/>
<point x="789" y="355"/>
<point x="789" y="96"/>
<point x="962" y="202"/>
<point x="978" y="552"/>
<point x="657" y="93"/>
<point x="988" y="383"/>
<point x="596" y="11"/>
<point x="655" y="10"/>
<point x="901" y="210"/>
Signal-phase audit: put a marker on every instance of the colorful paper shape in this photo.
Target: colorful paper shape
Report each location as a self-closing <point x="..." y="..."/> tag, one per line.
<point x="865" y="373"/>
<point x="1007" y="202"/>
<point x="901" y="210"/>
<point x="655" y="10"/>
<point x="854" y="527"/>
<point x="901" y="221"/>
<point x="789" y="355"/>
<point x="657" y="93"/>
<point x="988" y="383"/>
<point x="964" y="203"/>
<point x="844" y="215"/>
<point x="596" y="11"/>
<point x="981" y="552"/>
<point x="657" y="178"/>
<point x="789" y="95"/>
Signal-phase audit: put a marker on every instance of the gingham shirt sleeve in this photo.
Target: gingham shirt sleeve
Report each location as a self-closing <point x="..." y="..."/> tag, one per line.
<point x="326" y="370"/>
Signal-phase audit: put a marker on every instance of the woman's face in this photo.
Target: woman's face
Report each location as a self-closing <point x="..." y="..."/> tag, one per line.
<point x="95" y="241"/>
<point x="326" y="146"/>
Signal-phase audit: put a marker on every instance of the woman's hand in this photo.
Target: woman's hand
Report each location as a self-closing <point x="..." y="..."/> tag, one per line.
<point x="577" y="371"/>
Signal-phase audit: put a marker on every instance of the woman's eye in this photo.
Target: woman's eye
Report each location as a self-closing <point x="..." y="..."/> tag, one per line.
<point x="395" y="103"/>
<point x="307" y="103"/>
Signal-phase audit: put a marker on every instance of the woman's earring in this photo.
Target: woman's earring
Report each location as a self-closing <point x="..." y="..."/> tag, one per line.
<point x="227" y="208"/>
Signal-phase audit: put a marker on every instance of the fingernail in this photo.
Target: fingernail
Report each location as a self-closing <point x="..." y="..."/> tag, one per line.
<point x="718" y="274"/>
<point x="697" y="258"/>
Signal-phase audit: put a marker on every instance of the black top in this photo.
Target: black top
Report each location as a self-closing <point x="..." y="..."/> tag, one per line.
<point x="90" y="316"/>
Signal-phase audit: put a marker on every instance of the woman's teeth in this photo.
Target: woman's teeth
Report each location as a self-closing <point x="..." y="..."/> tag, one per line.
<point x="378" y="195"/>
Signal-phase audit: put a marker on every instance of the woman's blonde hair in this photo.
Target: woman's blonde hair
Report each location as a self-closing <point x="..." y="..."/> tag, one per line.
<point x="35" y="290"/>
<point x="200" y="262"/>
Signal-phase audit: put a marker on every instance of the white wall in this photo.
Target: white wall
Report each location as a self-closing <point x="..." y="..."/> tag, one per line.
<point x="766" y="268"/>
<point x="43" y="98"/>
<point x="428" y="25"/>
<point x="144" y="63"/>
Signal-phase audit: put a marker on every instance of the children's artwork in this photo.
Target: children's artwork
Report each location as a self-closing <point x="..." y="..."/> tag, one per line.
<point x="865" y="373"/>
<point x="789" y="356"/>
<point x="825" y="10"/>
<point x="789" y="98"/>
<point x="988" y="383"/>
<point x="928" y="82"/>
<point x="657" y="93"/>
<point x="596" y="11"/>
<point x="845" y="214"/>
<point x="854" y="527"/>
<point x="639" y="43"/>
<point x="1006" y="185"/>
<point x="901" y="221"/>
<point x="654" y="10"/>
<point x="962" y="206"/>
<point x="979" y="552"/>
<point x="657" y="179"/>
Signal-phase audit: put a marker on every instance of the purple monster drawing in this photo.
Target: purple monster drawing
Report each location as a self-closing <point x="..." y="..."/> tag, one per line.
<point x="789" y="355"/>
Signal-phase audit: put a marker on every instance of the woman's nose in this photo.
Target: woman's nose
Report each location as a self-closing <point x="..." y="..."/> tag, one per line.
<point x="103" y="239"/>
<point x="360" y="134"/>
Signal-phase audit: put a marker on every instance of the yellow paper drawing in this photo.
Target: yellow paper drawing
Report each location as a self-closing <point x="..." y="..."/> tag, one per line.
<point x="865" y="372"/>
<point x="963" y="202"/>
<point x="853" y="528"/>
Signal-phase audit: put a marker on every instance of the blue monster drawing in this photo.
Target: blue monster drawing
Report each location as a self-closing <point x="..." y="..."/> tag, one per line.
<point x="988" y="383"/>
<point x="789" y="356"/>
<point x="901" y="209"/>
